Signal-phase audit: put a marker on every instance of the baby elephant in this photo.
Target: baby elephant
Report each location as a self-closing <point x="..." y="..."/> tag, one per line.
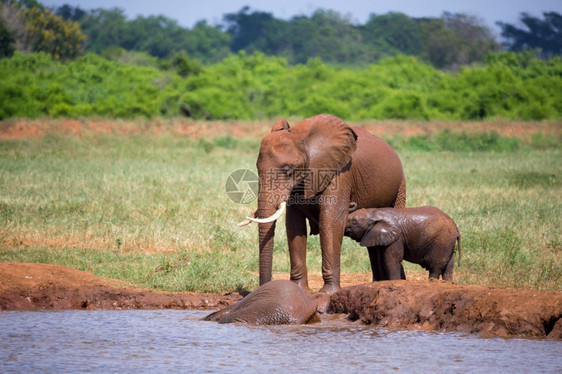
<point x="424" y="236"/>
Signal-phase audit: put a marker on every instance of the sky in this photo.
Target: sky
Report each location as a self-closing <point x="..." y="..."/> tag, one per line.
<point x="188" y="12"/>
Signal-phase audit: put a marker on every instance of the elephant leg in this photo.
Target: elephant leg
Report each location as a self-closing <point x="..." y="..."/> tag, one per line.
<point x="376" y="259"/>
<point x="434" y="273"/>
<point x="448" y="272"/>
<point x="392" y="258"/>
<point x="332" y="224"/>
<point x="295" y="224"/>
<point x="402" y="273"/>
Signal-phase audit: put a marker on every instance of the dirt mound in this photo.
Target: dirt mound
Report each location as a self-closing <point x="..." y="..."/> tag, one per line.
<point x="412" y="304"/>
<point x="445" y="306"/>
<point x="41" y="286"/>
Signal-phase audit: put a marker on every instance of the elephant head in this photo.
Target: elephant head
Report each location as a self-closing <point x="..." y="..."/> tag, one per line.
<point x="296" y="161"/>
<point x="373" y="227"/>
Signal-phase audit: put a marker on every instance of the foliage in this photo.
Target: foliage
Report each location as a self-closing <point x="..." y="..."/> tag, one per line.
<point x="50" y="33"/>
<point x="455" y="39"/>
<point x="394" y="33"/>
<point x="87" y="86"/>
<point x="542" y="34"/>
<point x="37" y="29"/>
<point x="7" y="41"/>
<point x="131" y="84"/>
<point x="245" y="27"/>
<point x="445" y="42"/>
<point x="452" y="40"/>
<point x="207" y="43"/>
<point x="185" y="66"/>
<point x="159" y="36"/>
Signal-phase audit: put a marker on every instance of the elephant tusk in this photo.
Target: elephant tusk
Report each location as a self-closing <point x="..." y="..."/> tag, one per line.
<point x="247" y="221"/>
<point x="244" y="223"/>
<point x="272" y="218"/>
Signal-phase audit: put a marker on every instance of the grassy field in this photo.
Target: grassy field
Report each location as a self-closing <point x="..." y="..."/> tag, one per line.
<point x="151" y="209"/>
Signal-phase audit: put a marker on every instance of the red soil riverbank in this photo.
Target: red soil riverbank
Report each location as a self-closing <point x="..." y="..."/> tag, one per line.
<point x="411" y="304"/>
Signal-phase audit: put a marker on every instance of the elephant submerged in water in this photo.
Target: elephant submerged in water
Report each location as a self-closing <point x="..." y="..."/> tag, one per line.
<point x="279" y="302"/>
<point x="313" y="170"/>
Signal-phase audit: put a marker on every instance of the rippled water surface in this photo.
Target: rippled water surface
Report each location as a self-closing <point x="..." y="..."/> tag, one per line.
<point x="169" y="340"/>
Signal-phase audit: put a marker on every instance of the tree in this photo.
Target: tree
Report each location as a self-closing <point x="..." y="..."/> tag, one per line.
<point x="393" y="33"/>
<point x="207" y="43"/>
<point x="246" y="27"/>
<point x="160" y="36"/>
<point x="184" y="65"/>
<point x="455" y="39"/>
<point x="476" y="40"/>
<point x="7" y="41"/>
<point x="439" y="43"/>
<point x="335" y="38"/>
<point x="31" y="4"/>
<point x="326" y="34"/>
<point x="13" y="17"/>
<point x="69" y="12"/>
<point x="37" y="29"/>
<point x="50" y="33"/>
<point x="543" y="34"/>
<point x="104" y="28"/>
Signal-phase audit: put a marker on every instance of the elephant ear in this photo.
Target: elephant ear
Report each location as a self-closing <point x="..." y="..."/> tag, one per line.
<point x="383" y="233"/>
<point x="330" y="144"/>
<point x="280" y="125"/>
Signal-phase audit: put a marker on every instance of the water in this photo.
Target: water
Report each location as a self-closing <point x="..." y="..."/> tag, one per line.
<point x="168" y="340"/>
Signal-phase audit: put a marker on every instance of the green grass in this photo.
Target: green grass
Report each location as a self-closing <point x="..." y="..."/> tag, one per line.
<point x="152" y="210"/>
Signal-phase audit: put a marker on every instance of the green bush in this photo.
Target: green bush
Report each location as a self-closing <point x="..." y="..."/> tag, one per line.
<point x="512" y="86"/>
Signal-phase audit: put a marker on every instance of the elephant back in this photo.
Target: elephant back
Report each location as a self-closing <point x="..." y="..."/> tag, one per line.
<point x="377" y="170"/>
<point x="278" y="302"/>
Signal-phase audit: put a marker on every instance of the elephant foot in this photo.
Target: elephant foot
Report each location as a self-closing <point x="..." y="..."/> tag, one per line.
<point x="330" y="288"/>
<point x="302" y="283"/>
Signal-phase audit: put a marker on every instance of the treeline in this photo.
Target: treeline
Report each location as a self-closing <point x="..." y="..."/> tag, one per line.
<point x="510" y="85"/>
<point x="453" y="39"/>
<point x="71" y="62"/>
<point x="447" y="42"/>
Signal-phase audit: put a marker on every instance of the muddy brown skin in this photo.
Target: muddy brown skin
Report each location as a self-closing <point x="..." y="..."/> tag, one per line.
<point x="424" y="236"/>
<point x="279" y="302"/>
<point x="318" y="166"/>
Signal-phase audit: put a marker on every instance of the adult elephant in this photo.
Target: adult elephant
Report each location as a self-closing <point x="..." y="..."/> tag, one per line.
<point x="313" y="170"/>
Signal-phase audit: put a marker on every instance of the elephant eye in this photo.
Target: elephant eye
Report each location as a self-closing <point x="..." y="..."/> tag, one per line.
<point x="353" y="222"/>
<point x="287" y="170"/>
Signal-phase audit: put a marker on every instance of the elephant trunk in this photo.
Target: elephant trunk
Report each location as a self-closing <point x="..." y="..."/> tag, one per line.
<point x="271" y="205"/>
<point x="266" y="240"/>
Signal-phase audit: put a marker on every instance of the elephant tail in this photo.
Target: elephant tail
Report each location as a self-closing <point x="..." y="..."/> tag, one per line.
<point x="459" y="250"/>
